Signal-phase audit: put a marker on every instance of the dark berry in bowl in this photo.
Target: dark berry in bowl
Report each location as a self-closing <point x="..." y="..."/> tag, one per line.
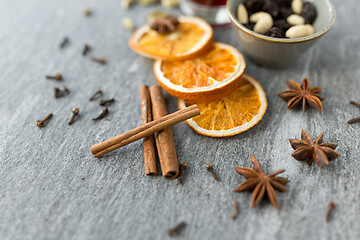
<point x="272" y="8"/>
<point x="282" y="25"/>
<point x="309" y="12"/>
<point x="253" y="6"/>
<point x="275" y="32"/>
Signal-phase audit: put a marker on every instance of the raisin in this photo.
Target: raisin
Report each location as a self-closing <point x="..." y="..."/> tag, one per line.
<point x="275" y="32"/>
<point x="272" y="8"/>
<point x="283" y="3"/>
<point x="253" y="6"/>
<point x="250" y="25"/>
<point x="309" y="12"/>
<point x="282" y="25"/>
<point x="285" y="12"/>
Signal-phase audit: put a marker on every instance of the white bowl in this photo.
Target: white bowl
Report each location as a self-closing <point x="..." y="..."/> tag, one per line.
<point x="280" y="52"/>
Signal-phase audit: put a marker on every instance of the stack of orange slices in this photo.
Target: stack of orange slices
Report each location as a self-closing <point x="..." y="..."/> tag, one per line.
<point x="190" y="66"/>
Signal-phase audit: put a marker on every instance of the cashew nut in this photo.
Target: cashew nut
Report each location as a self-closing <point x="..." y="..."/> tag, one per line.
<point x="296" y="6"/>
<point x="263" y="22"/>
<point x="295" y="19"/>
<point x="242" y="14"/>
<point x="300" y="31"/>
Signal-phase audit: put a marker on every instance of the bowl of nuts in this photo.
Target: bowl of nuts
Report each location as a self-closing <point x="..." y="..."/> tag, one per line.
<point x="275" y="33"/>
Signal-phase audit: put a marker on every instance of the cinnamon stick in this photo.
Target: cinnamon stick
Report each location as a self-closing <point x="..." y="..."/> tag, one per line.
<point x="148" y="142"/>
<point x="144" y="130"/>
<point x="164" y="139"/>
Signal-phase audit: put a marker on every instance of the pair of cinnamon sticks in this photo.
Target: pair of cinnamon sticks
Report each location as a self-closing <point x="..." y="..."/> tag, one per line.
<point x="155" y="120"/>
<point x="153" y="106"/>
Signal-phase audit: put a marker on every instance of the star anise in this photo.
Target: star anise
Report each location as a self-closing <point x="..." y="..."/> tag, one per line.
<point x="307" y="150"/>
<point x="354" y="120"/>
<point x="165" y="25"/>
<point x="297" y="94"/>
<point x="261" y="183"/>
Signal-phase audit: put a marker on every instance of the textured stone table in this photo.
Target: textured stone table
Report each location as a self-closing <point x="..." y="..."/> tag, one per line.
<point x="43" y="196"/>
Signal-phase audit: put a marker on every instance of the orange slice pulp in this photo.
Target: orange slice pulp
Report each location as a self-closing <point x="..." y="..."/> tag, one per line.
<point x="213" y="75"/>
<point x="231" y="115"/>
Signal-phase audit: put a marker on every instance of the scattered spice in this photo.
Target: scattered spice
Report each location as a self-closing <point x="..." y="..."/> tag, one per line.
<point x="86" y="49"/>
<point x="75" y="112"/>
<point x="128" y="23"/>
<point x="148" y="2"/>
<point x="173" y="232"/>
<point x="261" y="183"/>
<point x="354" y="120"/>
<point x="60" y="93"/>
<point x="307" y="150"/>
<point x="355" y="104"/>
<point x="170" y="3"/>
<point x="87" y="12"/>
<point x="64" y="42"/>
<point x="126" y="4"/>
<point x="102" y="115"/>
<point x="40" y="123"/>
<point x="164" y="25"/>
<point x="98" y="92"/>
<point x="99" y="60"/>
<point x="331" y="207"/>
<point x="105" y="102"/>
<point x="297" y="94"/>
<point x="183" y="166"/>
<point x="210" y="168"/>
<point x="236" y="208"/>
<point x="58" y="77"/>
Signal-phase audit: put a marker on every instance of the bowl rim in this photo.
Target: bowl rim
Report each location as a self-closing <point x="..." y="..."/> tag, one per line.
<point x="281" y="40"/>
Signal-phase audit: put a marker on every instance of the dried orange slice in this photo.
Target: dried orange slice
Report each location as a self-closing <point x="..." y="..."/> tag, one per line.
<point x="231" y="115"/>
<point x="210" y="76"/>
<point x="192" y="36"/>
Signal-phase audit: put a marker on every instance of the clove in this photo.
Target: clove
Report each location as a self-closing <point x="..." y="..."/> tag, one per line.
<point x="40" y="123"/>
<point x="64" y="42"/>
<point x="355" y="103"/>
<point x="173" y="232"/>
<point x="209" y="168"/>
<point x="98" y="92"/>
<point x="354" y="120"/>
<point x="58" y="77"/>
<point x="60" y="93"/>
<point x="75" y="112"/>
<point x="182" y="168"/>
<point x="105" y="102"/>
<point x="86" y="49"/>
<point x="236" y="207"/>
<point x="331" y="207"/>
<point x="99" y="60"/>
<point x="102" y="115"/>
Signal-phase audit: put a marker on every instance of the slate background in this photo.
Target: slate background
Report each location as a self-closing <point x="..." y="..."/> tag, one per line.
<point x="42" y="195"/>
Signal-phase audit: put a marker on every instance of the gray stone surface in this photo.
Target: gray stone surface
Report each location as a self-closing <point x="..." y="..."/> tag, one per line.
<point x="42" y="195"/>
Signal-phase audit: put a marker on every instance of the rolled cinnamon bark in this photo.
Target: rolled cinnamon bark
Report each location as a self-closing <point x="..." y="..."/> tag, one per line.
<point x="149" y="144"/>
<point x="164" y="139"/>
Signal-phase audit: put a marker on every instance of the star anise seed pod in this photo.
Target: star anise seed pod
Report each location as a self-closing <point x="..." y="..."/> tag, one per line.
<point x="354" y="120"/>
<point x="164" y="25"/>
<point x="261" y="183"/>
<point x="307" y="150"/>
<point x="302" y="94"/>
